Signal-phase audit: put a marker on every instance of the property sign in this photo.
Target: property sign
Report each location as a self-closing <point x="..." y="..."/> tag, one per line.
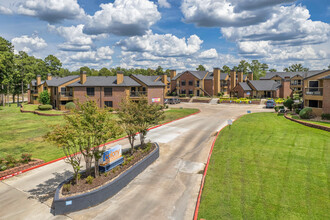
<point x="230" y="122"/>
<point x="155" y="100"/>
<point x="111" y="156"/>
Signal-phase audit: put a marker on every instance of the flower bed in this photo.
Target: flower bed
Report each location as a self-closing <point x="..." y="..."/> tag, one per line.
<point x="206" y="100"/>
<point x="20" y="167"/>
<point x="109" y="188"/>
<point x="184" y="99"/>
<point x="240" y="101"/>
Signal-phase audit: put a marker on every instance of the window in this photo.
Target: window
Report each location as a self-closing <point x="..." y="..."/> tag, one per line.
<point x="90" y="91"/>
<point x="107" y="91"/>
<point x="197" y="83"/>
<point x="183" y="91"/>
<point x="315" y="104"/>
<point x="63" y="102"/>
<point x="191" y="82"/>
<point x="108" y="103"/>
<point x="313" y="83"/>
<point x="190" y="91"/>
<point x="63" y="91"/>
<point x="183" y="82"/>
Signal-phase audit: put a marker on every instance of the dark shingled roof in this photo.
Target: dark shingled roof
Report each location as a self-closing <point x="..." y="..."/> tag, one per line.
<point x="291" y="74"/>
<point x="327" y="77"/>
<point x="197" y="74"/>
<point x="265" y="85"/>
<point x="34" y="82"/>
<point x="149" y="80"/>
<point x="105" y="81"/>
<point x="57" y="81"/>
<point x="245" y="86"/>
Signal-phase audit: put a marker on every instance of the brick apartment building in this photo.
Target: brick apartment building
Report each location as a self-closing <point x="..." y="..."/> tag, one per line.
<point x="105" y="90"/>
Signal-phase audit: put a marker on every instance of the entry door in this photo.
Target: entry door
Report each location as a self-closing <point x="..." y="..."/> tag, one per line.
<point x="197" y="92"/>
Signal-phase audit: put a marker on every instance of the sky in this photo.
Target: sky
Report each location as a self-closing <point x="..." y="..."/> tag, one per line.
<point x="174" y="34"/>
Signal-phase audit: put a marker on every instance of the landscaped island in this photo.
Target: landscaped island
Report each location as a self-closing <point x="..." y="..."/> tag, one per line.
<point x="267" y="167"/>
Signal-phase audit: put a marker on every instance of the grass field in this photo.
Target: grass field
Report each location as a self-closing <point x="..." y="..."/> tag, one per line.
<point x="267" y="167"/>
<point x="311" y="121"/>
<point x="35" y="108"/>
<point x="23" y="132"/>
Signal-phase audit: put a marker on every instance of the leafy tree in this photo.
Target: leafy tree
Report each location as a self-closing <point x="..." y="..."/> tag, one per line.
<point x="128" y="119"/>
<point x="147" y="116"/>
<point x="258" y="69"/>
<point x="53" y="65"/>
<point x="104" y="72"/>
<point x="44" y="97"/>
<point x="6" y="66"/>
<point x="288" y="103"/>
<point x="159" y="71"/>
<point x="329" y="66"/>
<point x="296" y="68"/>
<point x="243" y="66"/>
<point x="226" y="69"/>
<point x="200" y="68"/>
<point x="272" y="70"/>
<point x="86" y="68"/>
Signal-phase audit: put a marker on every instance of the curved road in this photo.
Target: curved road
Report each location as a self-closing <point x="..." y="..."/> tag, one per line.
<point x="167" y="189"/>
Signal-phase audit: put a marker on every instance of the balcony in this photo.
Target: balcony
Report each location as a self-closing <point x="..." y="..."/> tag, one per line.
<point x="314" y="91"/>
<point x="66" y="94"/>
<point x="138" y="93"/>
<point x="296" y="83"/>
<point x="34" y="91"/>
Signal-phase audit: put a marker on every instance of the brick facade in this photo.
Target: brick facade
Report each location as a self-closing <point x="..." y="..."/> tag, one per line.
<point x="208" y="86"/>
<point x="326" y="96"/>
<point x="156" y="92"/>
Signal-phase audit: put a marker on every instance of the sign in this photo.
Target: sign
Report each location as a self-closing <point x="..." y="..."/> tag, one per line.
<point x="155" y="100"/>
<point x="248" y="112"/>
<point x="68" y="202"/>
<point x="230" y="122"/>
<point x="111" y="156"/>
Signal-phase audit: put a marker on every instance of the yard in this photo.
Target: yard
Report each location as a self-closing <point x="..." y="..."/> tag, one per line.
<point x="267" y="167"/>
<point x="23" y="132"/>
<point x="323" y="123"/>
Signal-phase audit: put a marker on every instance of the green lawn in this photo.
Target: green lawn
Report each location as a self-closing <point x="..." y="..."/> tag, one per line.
<point x="267" y="167"/>
<point x="30" y="107"/>
<point x="310" y="121"/>
<point x="23" y="132"/>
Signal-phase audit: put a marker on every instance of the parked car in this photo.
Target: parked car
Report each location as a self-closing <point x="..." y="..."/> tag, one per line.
<point x="166" y="101"/>
<point x="173" y="101"/>
<point x="177" y="100"/>
<point x="270" y="104"/>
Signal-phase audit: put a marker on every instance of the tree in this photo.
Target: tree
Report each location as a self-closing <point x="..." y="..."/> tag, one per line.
<point x="243" y="66"/>
<point x="288" y="103"/>
<point x="272" y="70"/>
<point x="104" y="72"/>
<point x="226" y="69"/>
<point x="44" y="97"/>
<point x="147" y="116"/>
<point x="159" y="71"/>
<point x="128" y="119"/>
<point x="53" y="65"/>
<point x="200" y="68"/>
<point x="296" y="68"/>
<point x="329" y="66"/>
<point x="86" y="69"/>
<point x="6" y="66"/>
<point x="258" y="69"/>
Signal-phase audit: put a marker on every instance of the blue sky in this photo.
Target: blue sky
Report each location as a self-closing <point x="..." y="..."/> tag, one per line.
<point x="171" y="33"/>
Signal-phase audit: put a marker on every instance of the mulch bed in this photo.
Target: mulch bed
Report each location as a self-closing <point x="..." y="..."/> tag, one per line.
<point x="20" y="167"/>
<point x="104" y="178"/>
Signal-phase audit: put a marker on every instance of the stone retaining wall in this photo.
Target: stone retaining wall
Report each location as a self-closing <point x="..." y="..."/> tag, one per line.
<point x="312" y="125"/>
<point x="201" y="100"/>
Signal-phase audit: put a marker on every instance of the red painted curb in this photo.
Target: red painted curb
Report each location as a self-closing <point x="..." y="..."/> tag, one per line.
<point x="204" y="174"/>
<point x="119" y="139"/>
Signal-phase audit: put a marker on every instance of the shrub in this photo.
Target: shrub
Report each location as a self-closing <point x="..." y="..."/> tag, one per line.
<point x="106" y="174"/>
<point x="2" y="160"/>
<point x="70" y="105"/>
<point x="10" y="160"/>
<point x="276" y="108"/>
<point x="3" y="167"/>
<point x="325" y="116"/>
<point x="44" y="97"/>
<point x="89" y="179"/>
<point x="297" y="110"/>
<point x="306" y="113"/>
<point x="45" y="107"/>
<point x="182" y="95"/>
<point x="191" y="95"/>
<point x="25" y="158"/>
<point x="288" y="103"/>
<point x="66" y="187"/>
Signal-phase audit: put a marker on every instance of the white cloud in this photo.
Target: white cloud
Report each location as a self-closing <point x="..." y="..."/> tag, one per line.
<point x="162" y="45"/>
<point x="123" y="17"/>
<point x="99" y="55"/>
<point x="28" y="44"/>
<point x="76" y="39"/>
<point x="209" y="54"/>
<point x="52" y="11"/>
<point x="5" y="10"/>
<point x="164" y="4"/>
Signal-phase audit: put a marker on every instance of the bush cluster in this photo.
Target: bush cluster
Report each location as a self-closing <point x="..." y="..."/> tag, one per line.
<point x="10" y="161"/>
<point x="325" y="116"/>
<point x="45" y="107"/>
<point x="70" y="105"/>
<point x="182" y="95"/>
<point x="89" y="179"/>
<point x="306" y="113"/>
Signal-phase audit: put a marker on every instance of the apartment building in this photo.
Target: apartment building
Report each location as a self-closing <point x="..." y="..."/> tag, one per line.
<point x="258" y="89"/>
<point x="35" y="87"/>
<point x="104" y="90"/>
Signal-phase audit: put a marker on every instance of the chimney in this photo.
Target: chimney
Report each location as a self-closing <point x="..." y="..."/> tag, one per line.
<point x="120" y="77"/>
<point x="232" y="79"/>
<point x="216" y="80"/>
<point x="38" y="80"/>
<point x="250" y="76"/>
<point x="240" y="76"/>
<point x="49" y="76"/>
<point x="164" y="79"/>
<point x="83" y="77"/>
<point x="172" y="74"/>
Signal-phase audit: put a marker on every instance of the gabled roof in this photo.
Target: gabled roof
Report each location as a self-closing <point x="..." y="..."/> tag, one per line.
<point x="265" y="85"/>
<point x="34" y="82"/>
<point x="245" y="86"/>
<point x="105" y="81"/>
<point x="305" y="74"/>
<point x="327" y="77"/>
<point x="198" y="74"/>
<point x="149" y="80"/>
<point x="57" y="81"/>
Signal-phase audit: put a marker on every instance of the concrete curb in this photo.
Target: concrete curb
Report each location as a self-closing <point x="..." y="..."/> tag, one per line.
<point x="324" y="128"/>
<point x="99" y="195"/>
<point x="61" y="158"/>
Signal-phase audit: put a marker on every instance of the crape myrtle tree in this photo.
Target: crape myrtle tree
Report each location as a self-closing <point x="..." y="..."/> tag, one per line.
<point x="92" y="128"/>
<point x="6" y="67"/>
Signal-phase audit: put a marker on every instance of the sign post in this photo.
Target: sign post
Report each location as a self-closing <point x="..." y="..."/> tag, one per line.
<point x="111" y="158"/>
<point x="230" y="122"/>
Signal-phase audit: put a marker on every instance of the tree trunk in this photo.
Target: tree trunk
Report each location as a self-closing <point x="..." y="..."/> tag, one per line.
<point x="96" y="167"/>
<point x="2" y="95"/>
<point x="8" y="94"/>
<point x="22" y="92"/>
<point x="18" y="100"/>
<point x="131" y="139"/>
<point x="88" y="161"/>
<point x="142" y="138"/>
<point x="13" y="98"/>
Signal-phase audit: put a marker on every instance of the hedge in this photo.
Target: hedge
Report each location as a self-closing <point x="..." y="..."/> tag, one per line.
<point x="325" y="116"/>
<point x="45" y="107"/>
<point x="70" y="105"/>
<point x="306" y="113"/>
